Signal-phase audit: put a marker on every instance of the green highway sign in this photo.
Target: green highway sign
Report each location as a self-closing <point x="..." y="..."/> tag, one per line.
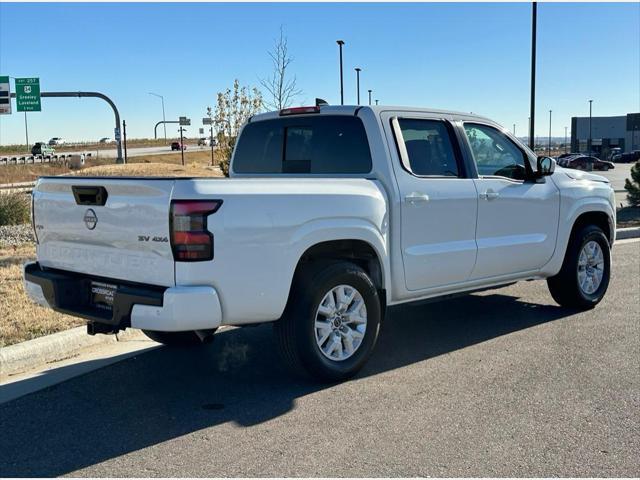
<point x="28" y="94"/>
<point x="5" y="96"/>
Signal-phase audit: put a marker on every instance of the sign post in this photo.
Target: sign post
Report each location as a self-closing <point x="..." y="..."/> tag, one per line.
<point x="5" y="96"/>
<point x="209" y="121"/>
<point x="28" y="95"/>
<point x="184" y="121"/>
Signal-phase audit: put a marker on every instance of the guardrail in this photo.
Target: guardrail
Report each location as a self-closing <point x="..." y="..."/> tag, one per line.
<point x="33" y="159"/>
<point x="22" y="187"/>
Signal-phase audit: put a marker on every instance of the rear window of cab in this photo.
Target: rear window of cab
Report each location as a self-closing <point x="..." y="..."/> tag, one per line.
<point x="320" y="144"/>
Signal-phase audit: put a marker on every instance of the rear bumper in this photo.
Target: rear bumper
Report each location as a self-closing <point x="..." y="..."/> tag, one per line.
<point x="140" y="306"/>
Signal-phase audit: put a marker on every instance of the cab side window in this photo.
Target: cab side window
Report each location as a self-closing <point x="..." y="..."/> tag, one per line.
<point x="494" y="153"/>
<point x="429" y="148"/>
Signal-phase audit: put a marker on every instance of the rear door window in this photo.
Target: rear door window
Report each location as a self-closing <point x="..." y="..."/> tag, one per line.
<point x="429" y="148"/>
<point x="322" y="144"/>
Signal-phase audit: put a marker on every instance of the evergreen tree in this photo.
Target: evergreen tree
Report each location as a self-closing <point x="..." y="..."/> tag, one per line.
<point x="633" y="186"/>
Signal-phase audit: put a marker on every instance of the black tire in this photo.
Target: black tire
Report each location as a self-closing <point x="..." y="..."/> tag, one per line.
<point x="176" y="339"/>
<point x="565" y="287"/>
<point x="295" y="331"/>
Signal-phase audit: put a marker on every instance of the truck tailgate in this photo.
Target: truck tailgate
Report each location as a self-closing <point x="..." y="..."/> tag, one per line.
<point x="115" y="228"/>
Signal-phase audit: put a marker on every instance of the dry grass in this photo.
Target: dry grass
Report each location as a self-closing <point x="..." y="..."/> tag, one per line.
<point x="151" y="170"/>
<point x="20" y="318"/>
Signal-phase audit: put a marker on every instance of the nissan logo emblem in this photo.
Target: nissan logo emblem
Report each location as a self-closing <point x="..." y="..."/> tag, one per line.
<point x="90" y="219"/>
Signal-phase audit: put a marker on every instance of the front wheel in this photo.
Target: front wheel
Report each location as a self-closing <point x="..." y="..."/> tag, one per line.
<point x="331" y="323"/>
<point x="584" y="277"/>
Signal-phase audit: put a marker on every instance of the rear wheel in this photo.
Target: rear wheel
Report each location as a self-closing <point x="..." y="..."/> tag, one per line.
<point x="584" y="277"/>
<point x="179" y="339"/>
<point x="331" y="323"/>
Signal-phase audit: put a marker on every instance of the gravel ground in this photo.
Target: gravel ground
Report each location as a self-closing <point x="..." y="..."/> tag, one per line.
<point x="14" y="235"/>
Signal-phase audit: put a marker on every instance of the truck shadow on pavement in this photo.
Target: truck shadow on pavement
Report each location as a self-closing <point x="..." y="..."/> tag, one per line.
<point x="167" y="393"/>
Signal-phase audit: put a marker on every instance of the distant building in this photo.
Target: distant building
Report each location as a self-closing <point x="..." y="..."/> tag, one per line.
<point x="606" y="133"/>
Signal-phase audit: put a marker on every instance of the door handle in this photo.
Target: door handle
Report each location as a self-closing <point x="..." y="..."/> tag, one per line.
<point x="489" y="195"/>
<point x="415" y="197"/>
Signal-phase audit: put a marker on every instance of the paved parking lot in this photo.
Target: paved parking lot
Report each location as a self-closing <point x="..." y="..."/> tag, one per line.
<point x="502" y="383"/>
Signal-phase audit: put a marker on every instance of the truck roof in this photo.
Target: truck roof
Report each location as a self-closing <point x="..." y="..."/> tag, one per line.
<point x="376" y="109"/>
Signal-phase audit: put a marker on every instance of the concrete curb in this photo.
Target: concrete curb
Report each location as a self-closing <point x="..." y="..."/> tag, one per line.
<point x="27" y="355"/>
<point x="624" y="233"/>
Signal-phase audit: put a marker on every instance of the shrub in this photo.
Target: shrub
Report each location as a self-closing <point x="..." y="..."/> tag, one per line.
<point x="633" y="186"/>
<point x="15" y="208"/>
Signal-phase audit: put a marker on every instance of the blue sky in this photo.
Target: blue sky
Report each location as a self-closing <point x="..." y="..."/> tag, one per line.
<point x="468" y="57"/>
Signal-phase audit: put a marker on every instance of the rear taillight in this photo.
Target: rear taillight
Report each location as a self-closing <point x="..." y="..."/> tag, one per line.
<point x="191" y="241"/>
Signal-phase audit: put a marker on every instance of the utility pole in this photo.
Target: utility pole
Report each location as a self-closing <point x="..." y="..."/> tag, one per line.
<point x="376" y="101"/>
<point x="340" y="44"/>
<point x="549" y="144"/>
<point x="124" y="135"/>
<point x="164" y="124"/>
<point x="370" y="96"/>
<point x="590" y="139"/>
<point x="532" y="118"/>
<point x="565" y="139"/>
<point x="358" y="70"/>
<point x="514" y="129"/>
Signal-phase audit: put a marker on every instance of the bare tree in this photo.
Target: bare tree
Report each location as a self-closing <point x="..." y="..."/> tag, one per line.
<point x="282" y="89"/>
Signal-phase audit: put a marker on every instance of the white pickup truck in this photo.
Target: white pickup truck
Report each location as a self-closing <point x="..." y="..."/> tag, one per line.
<point x="331" y="215"/>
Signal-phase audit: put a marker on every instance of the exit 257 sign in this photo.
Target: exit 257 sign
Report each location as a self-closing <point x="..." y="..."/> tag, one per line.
<point x="28" y="95"/>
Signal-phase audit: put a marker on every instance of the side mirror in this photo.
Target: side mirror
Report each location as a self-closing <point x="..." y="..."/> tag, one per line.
<point x="546" y="166"/>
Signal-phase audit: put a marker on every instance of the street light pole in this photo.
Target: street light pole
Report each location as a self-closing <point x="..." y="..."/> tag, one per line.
<point x="565" y="139"/>
<point x="549" y="144"/>
<point x="370" y="96"/>
<point x="590" y="139"/>
<point x="358" y="70"/>
<point x="163" y="117"/>
<point x="376" y="101"/>
<point x="514" y="129"/>
<point x="340" y="44"/>
<point x="532" y="118"/>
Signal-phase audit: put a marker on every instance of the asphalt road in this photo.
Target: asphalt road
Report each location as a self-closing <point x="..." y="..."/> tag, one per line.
<point x="111" y="152"/>
<point x="139" y="151"/>
<point x="501" y="383"/>
<point x="617" y="175"/>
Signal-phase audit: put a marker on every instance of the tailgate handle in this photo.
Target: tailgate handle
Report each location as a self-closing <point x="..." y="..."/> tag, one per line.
<point x="85" y="195"/>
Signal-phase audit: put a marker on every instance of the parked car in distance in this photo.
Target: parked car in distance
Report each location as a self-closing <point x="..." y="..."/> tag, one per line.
<point x="178" y="146"/>
<point x="331" y="214"/>
<point x="564" y="159"/>
<point x="630" y="157"/>
<point x="582" y="163"/>
<point x="569" y="154"/>
<point x="56" y="141"/>
<point x="41" y="148"/>
<point x="613" y="153"/>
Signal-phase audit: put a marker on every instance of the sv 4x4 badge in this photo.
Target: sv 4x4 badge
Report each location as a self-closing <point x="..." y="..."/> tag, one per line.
<point x="146" y="238"/>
